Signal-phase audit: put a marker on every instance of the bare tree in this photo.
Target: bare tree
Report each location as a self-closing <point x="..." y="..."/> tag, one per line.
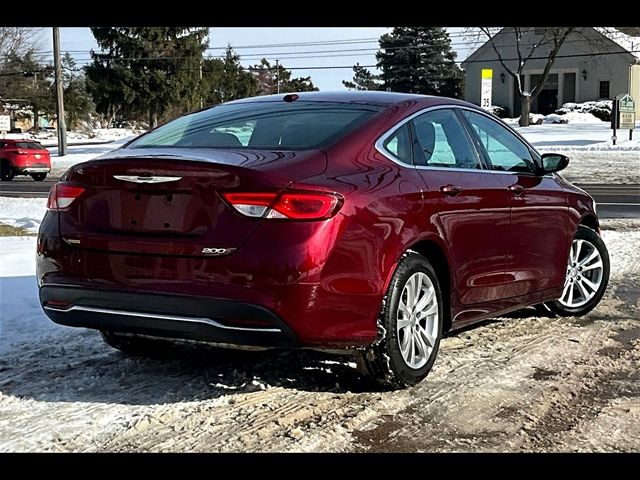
<point x="542" y="47"/>
<point x="18" y="41"/>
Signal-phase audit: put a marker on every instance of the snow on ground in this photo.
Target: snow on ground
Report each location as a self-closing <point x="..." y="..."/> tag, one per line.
<point x="24" y="213"/>
<point x="48" y="138"/>
<point x="82" y="153"/>
<point x="578" y="136"/>
<point x="516" y="383"/>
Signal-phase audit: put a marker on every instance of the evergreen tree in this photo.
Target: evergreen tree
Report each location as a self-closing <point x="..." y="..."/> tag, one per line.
<point x="146" y="70"/>
<point x="363" y="79"/>
<point x="419" y="60"/>
<point x="225" y="79"/>
<point x="269" y="77"/>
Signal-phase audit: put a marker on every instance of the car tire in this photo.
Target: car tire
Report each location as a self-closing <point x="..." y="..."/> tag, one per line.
<point x="136" y="346"/>
<point x="38" y="177"/>
<point x="6" y="170"/>
<point x="409" y="326"/>
<point x="587" y="275"/>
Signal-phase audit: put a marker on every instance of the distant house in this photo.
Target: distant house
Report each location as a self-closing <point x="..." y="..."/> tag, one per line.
<point x="591" y="65"/>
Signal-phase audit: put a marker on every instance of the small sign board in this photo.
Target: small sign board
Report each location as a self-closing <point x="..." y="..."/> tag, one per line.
<point x="487" y="80"/>
<point x="5" y="123"/>
<point x="627" y="120"/>
<point x="626" y="103"/>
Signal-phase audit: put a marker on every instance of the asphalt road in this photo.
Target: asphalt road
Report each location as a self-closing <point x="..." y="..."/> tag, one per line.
<point x="614" y="201"/>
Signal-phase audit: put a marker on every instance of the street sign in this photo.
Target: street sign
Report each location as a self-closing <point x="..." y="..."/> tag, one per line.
<point x="5" y="123"/>
<point x="626" y="104"/>
<point x="485" y="96"/>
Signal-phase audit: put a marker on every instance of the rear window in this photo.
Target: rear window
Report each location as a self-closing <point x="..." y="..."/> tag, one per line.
<point x="29" y="145"/>
<point x="261" y="125"/>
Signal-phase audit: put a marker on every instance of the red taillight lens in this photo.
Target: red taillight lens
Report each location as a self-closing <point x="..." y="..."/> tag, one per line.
<point x="289" y="205"/>
<point x="62" y="195"/>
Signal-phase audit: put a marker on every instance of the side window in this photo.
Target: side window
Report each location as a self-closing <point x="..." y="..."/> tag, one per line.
<point x="506" y="152"/>
<point x="399" y="145"/>
<point x="441" y="141"/>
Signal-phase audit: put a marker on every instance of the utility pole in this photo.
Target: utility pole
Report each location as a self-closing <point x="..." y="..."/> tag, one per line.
<point x="62" y="128"/>
<point x="200" y="84"/>
<point x="277" y="77"/>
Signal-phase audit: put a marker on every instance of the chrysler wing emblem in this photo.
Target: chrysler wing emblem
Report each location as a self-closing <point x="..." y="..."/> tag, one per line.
<point x="144" y="179"/>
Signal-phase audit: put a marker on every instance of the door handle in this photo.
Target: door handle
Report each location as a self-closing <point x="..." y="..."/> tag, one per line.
<point x="516" y="189"/>
<point x="451" y="190"/>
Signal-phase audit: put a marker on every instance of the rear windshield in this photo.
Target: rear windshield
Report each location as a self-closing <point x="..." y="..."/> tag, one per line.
<point x="29" y="145"/>
<point x="261" y="125"/>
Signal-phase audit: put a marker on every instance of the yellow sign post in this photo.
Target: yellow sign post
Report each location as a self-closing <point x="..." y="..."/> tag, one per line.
<point x="487" y="81"/>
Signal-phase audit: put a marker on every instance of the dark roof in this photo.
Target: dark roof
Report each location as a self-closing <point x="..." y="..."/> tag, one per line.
<point x="369" y="97"/>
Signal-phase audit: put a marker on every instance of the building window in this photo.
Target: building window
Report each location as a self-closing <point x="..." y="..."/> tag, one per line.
<point x="539" y="30"/>
<point x="604" y="89"/>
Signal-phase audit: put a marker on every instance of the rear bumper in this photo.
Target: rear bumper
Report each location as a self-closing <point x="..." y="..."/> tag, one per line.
<point x="174" y="316"/>
<point x="37" y="168"/>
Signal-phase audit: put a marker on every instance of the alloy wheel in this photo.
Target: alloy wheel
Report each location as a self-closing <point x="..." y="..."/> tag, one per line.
<point x="417" y="320"/>
<point x="584" y="274"/>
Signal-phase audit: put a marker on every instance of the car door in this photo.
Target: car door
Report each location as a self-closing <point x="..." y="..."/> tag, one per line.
<point x="471" y="207"/>
<point x="536" y="260"/>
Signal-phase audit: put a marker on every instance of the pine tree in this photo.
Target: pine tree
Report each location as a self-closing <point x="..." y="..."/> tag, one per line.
<point x="419" y="60"/>
<point x="225" y="79"/>
<point x="146" y="70"/>
<point x="363" y="79"/>
<point x="270" y="77"/>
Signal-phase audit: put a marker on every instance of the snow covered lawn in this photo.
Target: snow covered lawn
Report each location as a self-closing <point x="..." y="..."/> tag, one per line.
<point x="26" y="213"/>
<point x="581" y="136"/>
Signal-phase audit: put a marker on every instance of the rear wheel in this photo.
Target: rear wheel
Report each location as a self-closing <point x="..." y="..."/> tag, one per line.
<point x="136" y="346"/>
<point x="38" y="177"/>
<point x="6" y="170"/>
<point x="410" y="326"/>
<point x="587" y="275"/>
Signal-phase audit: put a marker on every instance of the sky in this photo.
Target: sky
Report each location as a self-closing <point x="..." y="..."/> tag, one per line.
<point x="252" y="43"/>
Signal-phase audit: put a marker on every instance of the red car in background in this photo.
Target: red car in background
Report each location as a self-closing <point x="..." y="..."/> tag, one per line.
<point x="366" y="222"/>
<point x="23" y="157"/>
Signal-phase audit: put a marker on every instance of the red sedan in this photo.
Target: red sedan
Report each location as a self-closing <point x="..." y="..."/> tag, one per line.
<point x="370" y="222"/>
<point x="23" y="157"/>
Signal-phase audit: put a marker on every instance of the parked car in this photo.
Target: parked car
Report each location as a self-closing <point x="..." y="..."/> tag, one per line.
<point x="23" y="157"/>
<point x="363" y="222"/>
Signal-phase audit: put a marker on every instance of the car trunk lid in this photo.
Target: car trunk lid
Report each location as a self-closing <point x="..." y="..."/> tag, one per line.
<point x="171" y="203"/>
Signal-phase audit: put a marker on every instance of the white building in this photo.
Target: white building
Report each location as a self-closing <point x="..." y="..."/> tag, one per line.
<point x="592" y="64"/>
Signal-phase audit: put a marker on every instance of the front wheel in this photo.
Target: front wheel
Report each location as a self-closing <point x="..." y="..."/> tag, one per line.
<point x="38" y="177"/>
<point x="410" y="326"/>
<point x="587" y="275"/>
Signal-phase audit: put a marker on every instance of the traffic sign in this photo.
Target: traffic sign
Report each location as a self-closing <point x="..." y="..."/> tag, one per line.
<point x="487" y="80"/>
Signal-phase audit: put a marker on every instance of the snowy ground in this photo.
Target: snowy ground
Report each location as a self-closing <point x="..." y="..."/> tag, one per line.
<point x="518" y="383"/>
<point x="26" y="213"/>
<point x="98" y="135"/>
<point x="580" y="136"/>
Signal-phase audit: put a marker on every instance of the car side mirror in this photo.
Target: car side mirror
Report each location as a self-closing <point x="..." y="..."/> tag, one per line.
<point x="554" y="162"/>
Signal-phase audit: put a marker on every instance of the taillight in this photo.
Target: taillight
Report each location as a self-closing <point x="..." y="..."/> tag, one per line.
<point x="62" y="195"/>
<point x="289" y="205"/>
